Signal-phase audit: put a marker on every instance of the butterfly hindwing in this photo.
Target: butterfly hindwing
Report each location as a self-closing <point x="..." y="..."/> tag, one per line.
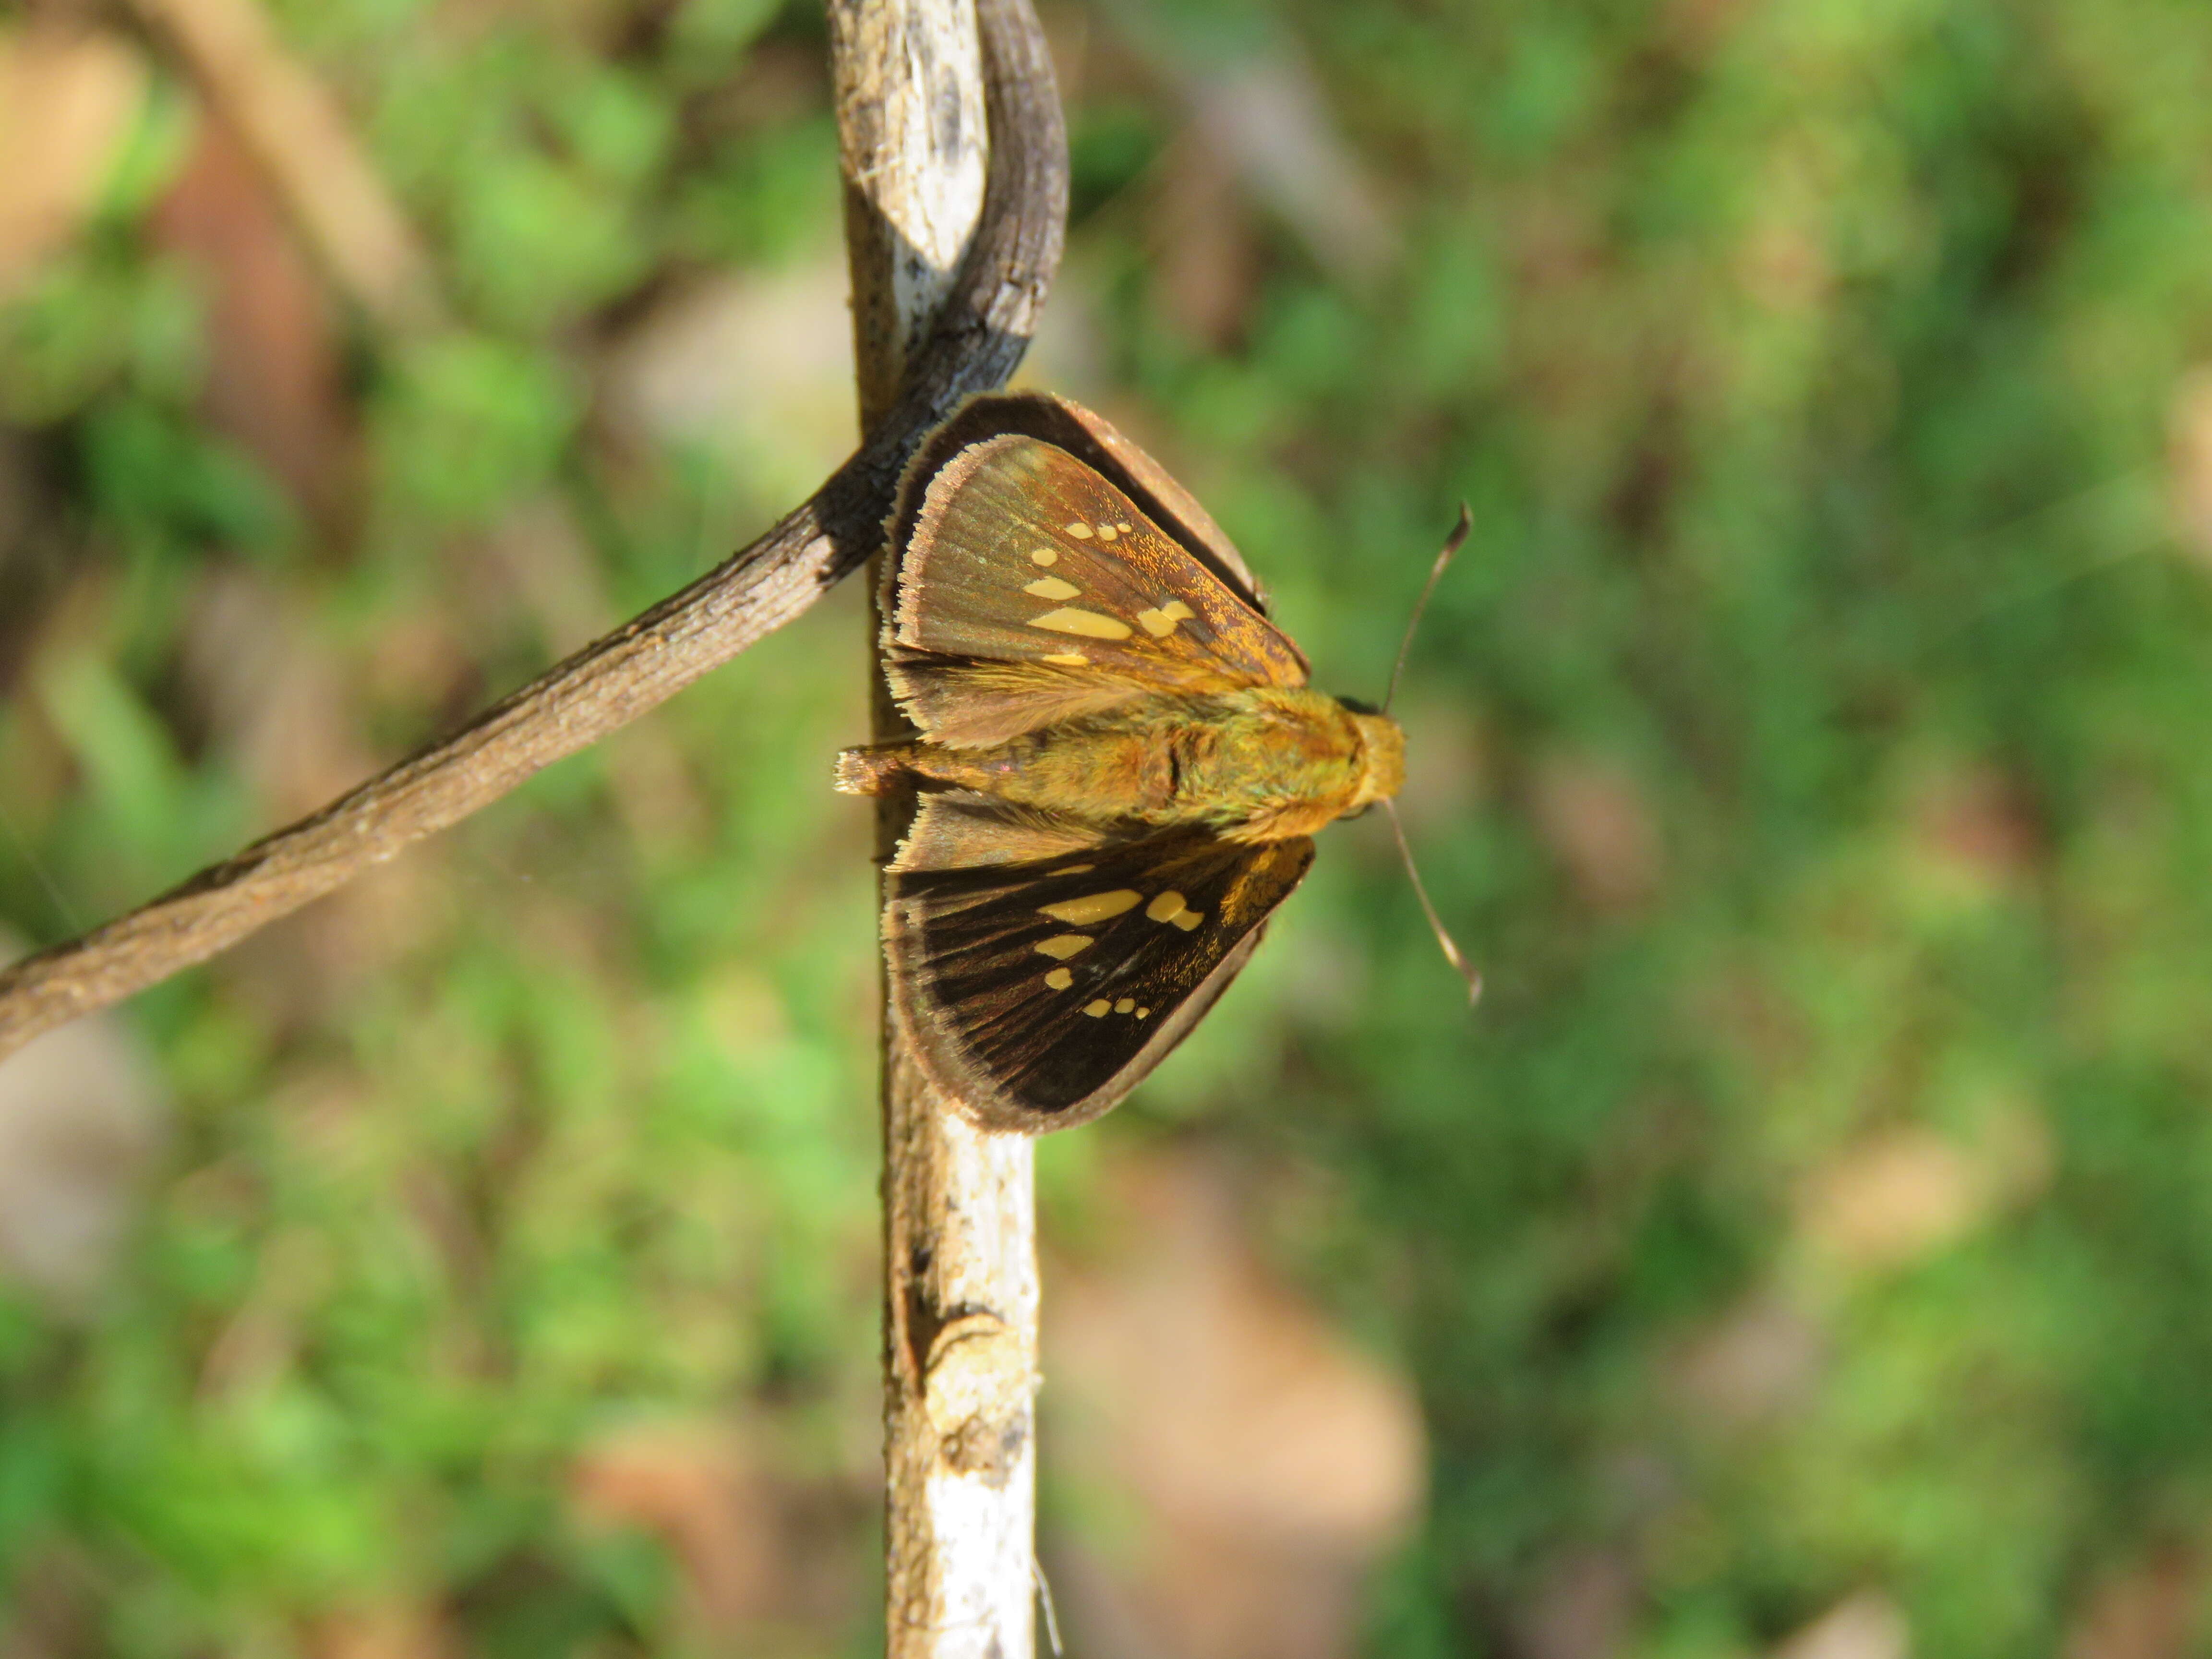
<point x="1039" y="993"/>
<point x="1029" y="586"/>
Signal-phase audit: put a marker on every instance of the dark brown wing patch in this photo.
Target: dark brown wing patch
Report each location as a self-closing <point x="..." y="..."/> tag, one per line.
<point x="1038" y="994"/>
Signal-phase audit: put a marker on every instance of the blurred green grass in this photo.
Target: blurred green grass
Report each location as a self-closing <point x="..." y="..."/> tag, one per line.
<point x="1809" y="743"/>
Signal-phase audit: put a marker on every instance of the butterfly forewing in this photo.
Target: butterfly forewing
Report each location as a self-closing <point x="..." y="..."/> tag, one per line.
<point x="1039" y="993"/>
<point x="1028" y="571"/>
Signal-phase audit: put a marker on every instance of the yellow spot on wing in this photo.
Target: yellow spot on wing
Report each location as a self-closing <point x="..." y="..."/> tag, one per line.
<point x="1097" y="1010"/>
<point x="1097" y="907"/>
<point x="1045" y="555"/>
<point x="1089" y="624"/>
<point x="1051" y="587"/>
<point x="1081" y="531"/>
<point x="1066" y="658"/>
<point x="1060" y="979"/>
<point x="1107" y="532"/>
<point x="1123" y="528"/>
<point x="1143" y="1013"/>
<point x="1162" y="623"/>
<point x="1071" y="869"/>
<point x="1125" y="1005"/>
<point x="1170" y="908"/>
<point x="1060" y="946"/>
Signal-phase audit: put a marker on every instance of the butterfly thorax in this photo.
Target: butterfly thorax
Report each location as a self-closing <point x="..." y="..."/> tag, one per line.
<point x="1257" y="764"/>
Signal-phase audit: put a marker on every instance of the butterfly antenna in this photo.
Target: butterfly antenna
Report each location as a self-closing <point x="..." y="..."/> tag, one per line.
<point x="1466" y="971"/>
<point x="1435" y="575"/>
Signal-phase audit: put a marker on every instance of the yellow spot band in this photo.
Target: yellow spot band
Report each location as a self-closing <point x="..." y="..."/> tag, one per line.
<point x="1066" y="658"/>
<point x="1045" y="555"/>
<point x="1088" y="623"/>
<point x="1051" y="587"/>
<point x="1107" y="532"/>
<point x="1060" y="946"/>
<point x="1125" y="1005"/>
<point x="1162" y="623"/>
<point x="1060" y="979"/>
<point x="1097" y="1010"/>
<point x="1098" y="906"/>
<point x="1081" y="531"/>
<point x="1169" y="906"/>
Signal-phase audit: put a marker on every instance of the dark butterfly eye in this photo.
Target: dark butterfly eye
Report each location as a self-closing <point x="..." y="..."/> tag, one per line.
<point x="1357" y="706"/>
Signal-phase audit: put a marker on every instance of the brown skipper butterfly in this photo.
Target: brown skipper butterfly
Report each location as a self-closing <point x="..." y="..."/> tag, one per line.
<point x="1117" y="765"/>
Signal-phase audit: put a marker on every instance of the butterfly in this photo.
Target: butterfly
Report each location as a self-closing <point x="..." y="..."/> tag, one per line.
<point x="1117" y="764"/>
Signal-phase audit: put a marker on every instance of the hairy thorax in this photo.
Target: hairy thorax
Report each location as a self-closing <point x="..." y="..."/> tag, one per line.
<point x="1253" y="765"/>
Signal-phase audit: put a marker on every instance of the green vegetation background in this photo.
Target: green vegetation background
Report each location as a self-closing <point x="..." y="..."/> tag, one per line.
<point x="1811" y="743"/>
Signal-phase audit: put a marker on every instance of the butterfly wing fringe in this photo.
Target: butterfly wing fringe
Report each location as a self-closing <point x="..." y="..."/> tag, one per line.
<point x="960" y="828"/>
<point x="965" y="704"/>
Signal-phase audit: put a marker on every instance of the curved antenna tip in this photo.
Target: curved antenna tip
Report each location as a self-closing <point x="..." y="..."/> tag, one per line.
<point x="1452" y="544"/>
<point x="1468" y="971"/>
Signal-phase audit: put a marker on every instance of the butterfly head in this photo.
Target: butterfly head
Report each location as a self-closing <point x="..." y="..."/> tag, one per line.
<point x="1382" y="756"/>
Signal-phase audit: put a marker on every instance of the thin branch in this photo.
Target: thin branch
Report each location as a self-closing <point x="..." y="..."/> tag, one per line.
<point x="961" y="1289"/>
<point x="982" y="328"/>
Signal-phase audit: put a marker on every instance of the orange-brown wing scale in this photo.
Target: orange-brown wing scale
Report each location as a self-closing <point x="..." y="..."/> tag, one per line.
<point x="1030" y="590"/>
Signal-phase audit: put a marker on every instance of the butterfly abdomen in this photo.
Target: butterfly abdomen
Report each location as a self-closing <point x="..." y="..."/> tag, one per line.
<point x="1254" y="765"/>
<point x="870" y="771"/>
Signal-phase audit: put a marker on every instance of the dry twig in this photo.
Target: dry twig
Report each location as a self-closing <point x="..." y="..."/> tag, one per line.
<point x="961" y="1292"/>
<point x="979" y="332"/>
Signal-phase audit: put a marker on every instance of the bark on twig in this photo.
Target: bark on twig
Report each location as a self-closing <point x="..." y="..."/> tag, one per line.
<point x="979" y="332"/>
<point x="961" y="1303"/>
